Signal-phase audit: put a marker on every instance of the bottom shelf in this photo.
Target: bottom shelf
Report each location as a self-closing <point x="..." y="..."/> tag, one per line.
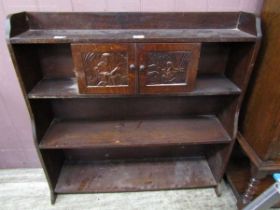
<point x="121" y="176"/>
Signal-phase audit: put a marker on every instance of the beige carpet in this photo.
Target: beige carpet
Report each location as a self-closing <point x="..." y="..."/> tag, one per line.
<point x="22" y="189"/>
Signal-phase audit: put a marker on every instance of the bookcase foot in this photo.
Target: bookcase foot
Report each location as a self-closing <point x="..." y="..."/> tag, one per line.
<point x="53" y="198"/>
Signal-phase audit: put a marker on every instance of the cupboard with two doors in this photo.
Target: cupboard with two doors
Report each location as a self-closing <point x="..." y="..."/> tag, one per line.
<point x="133" y="101"/>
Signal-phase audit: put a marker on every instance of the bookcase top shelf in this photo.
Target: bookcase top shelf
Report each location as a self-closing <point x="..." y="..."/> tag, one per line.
<point x="132" y="27"/>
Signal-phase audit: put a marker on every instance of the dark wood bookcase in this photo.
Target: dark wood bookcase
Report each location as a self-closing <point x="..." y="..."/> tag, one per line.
<point x="133" y="101"/>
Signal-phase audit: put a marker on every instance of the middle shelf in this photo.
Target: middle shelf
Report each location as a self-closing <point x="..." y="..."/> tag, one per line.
<point x="67" y="134"/>
<point x="67" y="88"/>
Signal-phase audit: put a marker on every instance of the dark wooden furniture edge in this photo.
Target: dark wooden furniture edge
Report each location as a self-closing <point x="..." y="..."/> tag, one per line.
<point x="254" y="158"/>
<point x="15" y="20"/>
<point x="239" y="181"/>
<point x="16" y="24"/>
<point x="257" y="171"/>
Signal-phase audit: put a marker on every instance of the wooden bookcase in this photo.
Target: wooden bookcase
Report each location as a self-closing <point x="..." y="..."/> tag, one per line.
<point x="133" y="101"/>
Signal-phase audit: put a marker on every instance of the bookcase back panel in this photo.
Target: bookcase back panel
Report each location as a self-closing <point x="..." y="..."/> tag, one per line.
<point x="56" y="61"/>
<point x="213" y="58"/>
<point x="135" y="153"/>
<point x="140" y="107"/>
<point x="132" y="20"/>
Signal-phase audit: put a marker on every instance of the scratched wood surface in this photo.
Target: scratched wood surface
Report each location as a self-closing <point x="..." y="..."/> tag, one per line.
<point x="90" y="134"/>
<point x="28" y="189"/>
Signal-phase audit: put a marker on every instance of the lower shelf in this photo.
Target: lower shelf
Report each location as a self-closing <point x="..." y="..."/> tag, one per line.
<point x="121" y="176"/>
<point x="65" y="134"/>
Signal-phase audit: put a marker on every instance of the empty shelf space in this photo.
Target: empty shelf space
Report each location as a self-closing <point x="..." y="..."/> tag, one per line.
<point x="163" y="132"/>
<point x="121" y="176"/>
<point x="67" y="88"/>
<point x="163" y="35"/>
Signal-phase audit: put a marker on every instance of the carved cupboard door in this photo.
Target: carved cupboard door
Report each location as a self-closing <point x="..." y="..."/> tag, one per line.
<point x="105" y="68"/>
<point x="167" y="68"/>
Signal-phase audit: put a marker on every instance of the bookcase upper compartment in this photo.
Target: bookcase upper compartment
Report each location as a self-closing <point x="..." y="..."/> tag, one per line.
<point x="130" y="27"/>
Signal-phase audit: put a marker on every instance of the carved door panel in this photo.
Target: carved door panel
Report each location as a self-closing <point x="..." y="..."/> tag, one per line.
<point x="105" y="68"/>
<point x="167" y="68"/>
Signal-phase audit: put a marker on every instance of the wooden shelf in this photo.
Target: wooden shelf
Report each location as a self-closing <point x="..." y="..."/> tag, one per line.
<point x="67" y="88"/>
<point x="86" y="177"/>
<point x="162" y="35"/>
<point x="90" y="134"/>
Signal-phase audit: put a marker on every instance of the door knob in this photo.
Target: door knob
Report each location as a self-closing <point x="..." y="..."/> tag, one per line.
<point x="132" y="67"/>
<point x="142" y="67"/>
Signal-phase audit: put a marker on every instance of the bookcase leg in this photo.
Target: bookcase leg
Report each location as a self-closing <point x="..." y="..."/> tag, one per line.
<point x="53" y="198"/>
<point x="219" y="189"/>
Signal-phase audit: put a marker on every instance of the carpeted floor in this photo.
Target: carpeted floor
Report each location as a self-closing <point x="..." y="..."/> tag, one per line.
<point x="26" y="189"/>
